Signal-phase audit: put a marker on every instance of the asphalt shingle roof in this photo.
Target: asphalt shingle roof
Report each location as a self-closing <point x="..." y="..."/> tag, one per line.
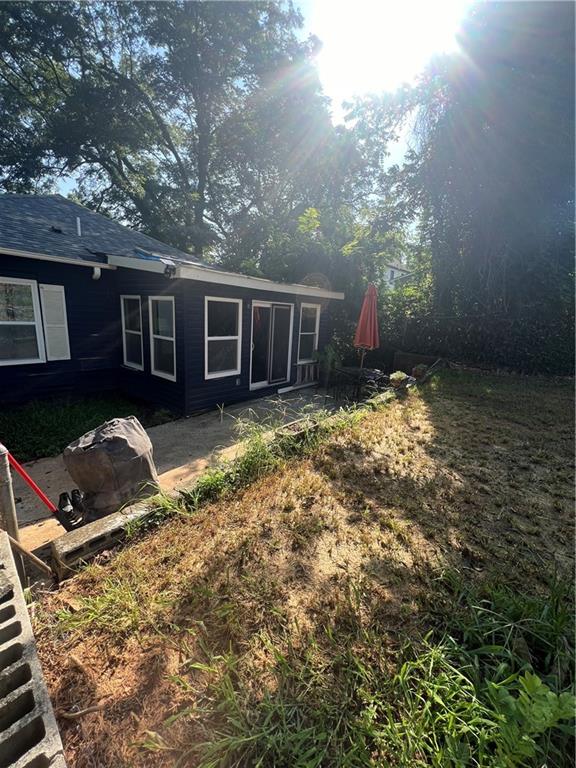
<point x="46" y="224"/>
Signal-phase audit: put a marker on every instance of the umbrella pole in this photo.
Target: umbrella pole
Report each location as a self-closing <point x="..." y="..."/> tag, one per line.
<point x="362" y="358"/>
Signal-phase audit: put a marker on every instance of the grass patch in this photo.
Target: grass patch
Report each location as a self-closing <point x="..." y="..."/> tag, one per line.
<point x="116" y="609"/>
<point x="266" y="448"/>
<point x="386" y="597"/>
<point x="459" y="698"/>
<point x="45" y="428"/>
<point x="497" y="689"/>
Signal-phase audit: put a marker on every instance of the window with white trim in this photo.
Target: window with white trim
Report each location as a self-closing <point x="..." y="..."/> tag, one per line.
<point x="162" y="337"/>
<point x="222" y="337"/>
<point x="308" y="336"/>
<point x="21" y="337"/>
<point x="132" y="332"/>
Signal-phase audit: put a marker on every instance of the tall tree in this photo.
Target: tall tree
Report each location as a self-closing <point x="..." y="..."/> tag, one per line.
<point x="162" y="111"/>
<point x="491" y="177"/>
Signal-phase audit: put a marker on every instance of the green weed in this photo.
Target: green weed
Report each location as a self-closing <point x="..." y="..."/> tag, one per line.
<point x="161" y="507"/>
<point x="454" y="701"/>
<point x="497" y="690"/>
<point x="441" y="717"/>
<point x="45" y="428"/>
<point x="119" y="609"/>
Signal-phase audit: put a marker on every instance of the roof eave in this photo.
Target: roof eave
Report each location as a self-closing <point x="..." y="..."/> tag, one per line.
<point x="202" y="274"/>
<point x="50" y="257"/>
<point x="205" y="275"/>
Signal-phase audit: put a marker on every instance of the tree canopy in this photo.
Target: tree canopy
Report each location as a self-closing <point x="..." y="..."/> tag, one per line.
<point x="490" y="177"/>
<point x="182" y="118"/>
<point x="205" y="125"/>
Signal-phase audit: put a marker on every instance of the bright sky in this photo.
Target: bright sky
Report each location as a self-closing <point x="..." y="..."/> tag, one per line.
<point x="376" y="45"/>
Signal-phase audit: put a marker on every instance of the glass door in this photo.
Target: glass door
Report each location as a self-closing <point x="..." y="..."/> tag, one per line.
<point x="271" y="344"/>
<point x="280" y="346"/>
<point x="261" y="317"/>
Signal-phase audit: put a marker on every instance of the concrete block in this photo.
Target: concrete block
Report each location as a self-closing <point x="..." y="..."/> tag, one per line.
<point x="81" y="545"/>
<point x="29" y="736"/>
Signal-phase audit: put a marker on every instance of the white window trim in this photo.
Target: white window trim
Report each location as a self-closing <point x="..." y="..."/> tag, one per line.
<point x="238" y="339"/>
<point x="134" y="333"/>
<point x="37" y="322"/>
<point x="161" y="374"/>
<point x="316" y="332"/>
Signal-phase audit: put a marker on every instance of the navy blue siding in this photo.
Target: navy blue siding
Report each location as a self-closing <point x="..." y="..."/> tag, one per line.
<point x="192" y="392"/>
<point x="162" y="392"/>
<point x="94" y="324"/>
<point x="203" y="393"/>
<point x="93" y="329"/>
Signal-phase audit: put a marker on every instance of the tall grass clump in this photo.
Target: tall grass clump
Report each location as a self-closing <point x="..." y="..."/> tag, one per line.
<point x="492" y="688"/>
<point x="160" y="508"/>
<point x="117" y="608"/>
<point x="257" y="457"/>
<point x="497" y="690"/>
<point x="265" y="446"/>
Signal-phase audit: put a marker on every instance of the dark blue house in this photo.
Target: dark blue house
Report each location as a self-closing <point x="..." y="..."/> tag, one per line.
<point x="88" y="305"/>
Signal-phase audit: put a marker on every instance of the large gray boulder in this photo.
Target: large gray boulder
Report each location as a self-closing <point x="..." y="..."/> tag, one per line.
<point x="112" y="465"/>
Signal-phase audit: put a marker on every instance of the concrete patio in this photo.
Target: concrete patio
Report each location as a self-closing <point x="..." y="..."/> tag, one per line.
<point x="183" y="449"/>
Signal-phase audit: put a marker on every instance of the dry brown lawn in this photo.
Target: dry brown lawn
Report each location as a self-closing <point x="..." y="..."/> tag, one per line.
<point x="473" y="474"/>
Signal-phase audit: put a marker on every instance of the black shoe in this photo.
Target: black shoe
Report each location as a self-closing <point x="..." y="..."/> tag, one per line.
<point x="66" y="514"/>
<point x="78" y="503"/>
<point x="65" y="503"/>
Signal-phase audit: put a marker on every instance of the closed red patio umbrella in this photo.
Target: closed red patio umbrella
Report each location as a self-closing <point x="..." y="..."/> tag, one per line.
<point x="367" y="336"/>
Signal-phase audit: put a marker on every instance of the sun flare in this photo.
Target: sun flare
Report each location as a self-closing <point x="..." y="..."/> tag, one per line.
<point x="372" y="46"/>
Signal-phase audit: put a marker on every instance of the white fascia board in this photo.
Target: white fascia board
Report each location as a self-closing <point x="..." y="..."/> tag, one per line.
<point x="60" y="259"/>
<point x="204" y="275"/>
<point x="144" y="265"/>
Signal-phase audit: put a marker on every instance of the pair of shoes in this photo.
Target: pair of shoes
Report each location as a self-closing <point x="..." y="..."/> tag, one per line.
<point x="71" y="513"/>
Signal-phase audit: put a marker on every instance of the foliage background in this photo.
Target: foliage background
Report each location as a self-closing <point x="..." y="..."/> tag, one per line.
<point x="205" y="125"/>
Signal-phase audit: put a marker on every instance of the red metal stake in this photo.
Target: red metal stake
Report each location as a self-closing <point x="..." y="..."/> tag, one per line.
<point x="26" y="477"/>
